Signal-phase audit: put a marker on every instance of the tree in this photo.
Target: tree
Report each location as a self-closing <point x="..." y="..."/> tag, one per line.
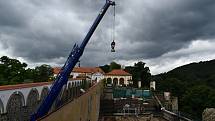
<point x="105" y="68"/>
<point x="193" y="84"/>
<point x="196" y="99"/>
<point x="12" y="70"/>
<point x="140" y="73"/>
<point x="43" y="73"/>
<point x="114" y="65"/>
<point x="173" y="85"/>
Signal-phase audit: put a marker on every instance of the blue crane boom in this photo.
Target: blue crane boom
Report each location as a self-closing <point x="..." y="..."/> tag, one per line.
<point x="73" y="58"/>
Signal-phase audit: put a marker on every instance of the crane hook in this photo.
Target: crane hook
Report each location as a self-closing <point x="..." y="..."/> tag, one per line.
<point x="112" y="46"/>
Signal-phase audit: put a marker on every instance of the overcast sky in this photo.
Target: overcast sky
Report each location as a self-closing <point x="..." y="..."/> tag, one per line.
<point x="163" y="33"/>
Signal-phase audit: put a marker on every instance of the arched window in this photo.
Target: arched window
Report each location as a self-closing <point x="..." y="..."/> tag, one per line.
<point x="70" y="90"/>
<point x="14" y="107"/>
<point x="73" y="90"/>
<point x="121" y="81"/>
<point x="109" y="80"/>
<point x="115" y="81"/>
<point x="64" y="97"/>
<point x="44" y="93"/>
<point x="76" y="89"/>
<point x="1" y="107"/>
<point x="32" y="101"/>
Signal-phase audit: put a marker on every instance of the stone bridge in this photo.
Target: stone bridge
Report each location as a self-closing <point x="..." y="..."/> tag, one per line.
<point x="20" y="101"/>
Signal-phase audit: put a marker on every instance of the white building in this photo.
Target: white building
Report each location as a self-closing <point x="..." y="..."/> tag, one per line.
<point x="118" y="77"/>
<point x="89" y="73"/>
<point x="152" y="85"/>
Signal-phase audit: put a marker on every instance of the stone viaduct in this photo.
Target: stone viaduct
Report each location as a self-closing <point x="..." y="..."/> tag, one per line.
<point x="18" y="102"/>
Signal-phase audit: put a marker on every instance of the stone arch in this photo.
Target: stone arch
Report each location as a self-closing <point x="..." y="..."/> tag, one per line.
<point x="80" y="83"/>
<point x="60" y="95"/>
<point x="32" y="100"/>
<point x="73" y="83"/>
<point x="64" y="96"/>
<point x="79" y="87"/>
<point x="15" y="107"/>
<point x="75" y="88"/>
<point x="115" y="81"/>
<point x="44" y="93"/>
<point x="1" y="107"/>
<point x="59" y="100"/>
<point x="72" y="90"/>
<point x="121" y="81"/>
<point x="109" y="80"/>
<point x="69" y="90"/>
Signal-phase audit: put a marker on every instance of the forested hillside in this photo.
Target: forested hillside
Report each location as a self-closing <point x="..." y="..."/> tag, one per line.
<point x="194" y="84"/>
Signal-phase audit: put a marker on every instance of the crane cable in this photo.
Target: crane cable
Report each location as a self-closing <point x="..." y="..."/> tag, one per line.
<point x="113" y="24"/>
<point x="114" y="21"/>
<point x="113" y="30"/>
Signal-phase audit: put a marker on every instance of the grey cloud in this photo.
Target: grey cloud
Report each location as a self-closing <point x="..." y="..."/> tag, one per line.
<point x="169" y="27"/>
<point x="9" y="14"/>
<point x="41" y="31"/>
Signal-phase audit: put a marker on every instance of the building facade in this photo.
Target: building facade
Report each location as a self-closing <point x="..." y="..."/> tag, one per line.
<point x="118" y="77"/>
<point x="89" y="73"/>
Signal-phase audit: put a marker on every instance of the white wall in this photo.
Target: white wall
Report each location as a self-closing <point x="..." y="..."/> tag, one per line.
<point x="5" y="94"/>
<point x="98" y="76"/>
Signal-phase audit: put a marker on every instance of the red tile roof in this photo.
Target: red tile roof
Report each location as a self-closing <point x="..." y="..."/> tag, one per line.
<point x="28" y="85"/>
<point x="56" y="70"/>
<point x="118" y="72"/>
<point x="87" y="70"/>
<point x="19" y="86"/>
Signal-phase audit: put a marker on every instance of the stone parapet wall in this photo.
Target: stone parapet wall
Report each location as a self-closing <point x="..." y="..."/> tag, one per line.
<point x="20" y="101"/>
<point x="84" y="108"/>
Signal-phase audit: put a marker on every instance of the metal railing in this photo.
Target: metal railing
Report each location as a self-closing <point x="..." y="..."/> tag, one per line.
<point x="169" y="115"/>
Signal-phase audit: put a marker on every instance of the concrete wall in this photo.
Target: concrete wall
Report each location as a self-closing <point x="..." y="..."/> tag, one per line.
<point x="84" y="108"/>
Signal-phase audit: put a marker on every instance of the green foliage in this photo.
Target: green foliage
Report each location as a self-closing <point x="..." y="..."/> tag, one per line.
<point x="194" y="84"/>
<point x="43" y="73"/>
<point x="139" y="73"/>
<point x="105" y="68"/>
<point x="173" y="85"/>
<point x="194" y="73"/>
<point x="196" y="99"/>
<point x="112" y="66"/>
<point x="12" y="71"/>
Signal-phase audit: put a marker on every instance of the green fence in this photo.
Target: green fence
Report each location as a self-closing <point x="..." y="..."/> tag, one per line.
<point x="122" y="92"/>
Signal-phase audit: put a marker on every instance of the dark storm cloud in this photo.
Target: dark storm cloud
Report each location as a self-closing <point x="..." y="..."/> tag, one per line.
<point x="167" y="25"/>
<point x="9" y="16"/>
<point x="45" y="31"/>
<point x="37" y="36"/>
